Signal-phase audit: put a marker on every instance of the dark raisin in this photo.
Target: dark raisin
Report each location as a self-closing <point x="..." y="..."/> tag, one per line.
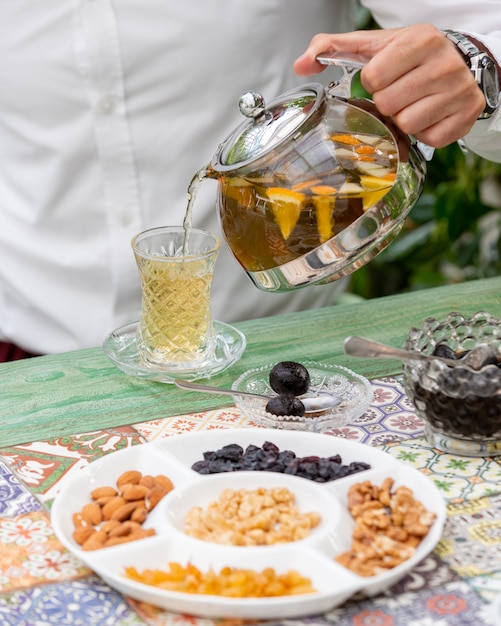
<point x="270" y="458"/>
<point x="289" y="377"/>
<point x="473" y="417"/>
<point x="231" y="452"/>
<point x="335" y="459"/>
<point x="202" y="467"/>
<point x="444" y="351"/>
<point x="270" y="447"/>
<point x="358" y="466"/>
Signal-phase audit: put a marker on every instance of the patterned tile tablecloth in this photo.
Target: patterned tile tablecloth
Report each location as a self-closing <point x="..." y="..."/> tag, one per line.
<point x="41" y="583"/>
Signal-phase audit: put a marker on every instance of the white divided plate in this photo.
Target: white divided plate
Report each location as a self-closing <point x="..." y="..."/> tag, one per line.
<point x="313" y="556"/>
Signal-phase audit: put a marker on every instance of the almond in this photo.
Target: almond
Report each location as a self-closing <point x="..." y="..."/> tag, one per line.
<point x="142" y="532"/>
<point x="110" y="507"/>
<point x="125" y="528"/>
<point x="78" y="520"/>
<point x="134" y="492"/>
<point x="91" y="513"/>
<point x="139" y="515"/>
<point x="82" y="533"/>
<point x="131" y="476"/>
<point x="102" y="501"/>
<point x="95" y="541"/>
<point x="154" y="497"/>
<point x="115" y="541"/>
<point x="109" y="525"/>
<point x="165" y="482"/>
<point x="123" y="512"/>
<point x="103" y="492"/>
<point x="147" y="481"/>
<point x="140" y="504"/>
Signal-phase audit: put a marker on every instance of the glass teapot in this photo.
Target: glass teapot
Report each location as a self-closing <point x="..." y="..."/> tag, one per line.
<point x="314" y="185"/>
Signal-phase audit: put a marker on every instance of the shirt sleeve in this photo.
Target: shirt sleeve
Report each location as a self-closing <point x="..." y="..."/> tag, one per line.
<point x="485" y="137"/>
<point x="480" y="19"/>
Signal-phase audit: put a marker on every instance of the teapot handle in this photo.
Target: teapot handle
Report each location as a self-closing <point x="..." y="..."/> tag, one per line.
<point x="350" y="64"/>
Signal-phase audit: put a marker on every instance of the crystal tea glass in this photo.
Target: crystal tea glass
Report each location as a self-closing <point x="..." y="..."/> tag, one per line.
<point x="461" y="406"/>
<point x="176" y="330"/>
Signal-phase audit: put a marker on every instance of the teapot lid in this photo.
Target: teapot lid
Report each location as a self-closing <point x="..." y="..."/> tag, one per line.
<point x="267" y="126"/>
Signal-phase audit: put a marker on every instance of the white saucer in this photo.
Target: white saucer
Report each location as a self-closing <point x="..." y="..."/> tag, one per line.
<point x="121" y="347"/>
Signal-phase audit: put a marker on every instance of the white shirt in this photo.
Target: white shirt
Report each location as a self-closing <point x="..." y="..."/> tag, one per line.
<point x="108" y="108"/>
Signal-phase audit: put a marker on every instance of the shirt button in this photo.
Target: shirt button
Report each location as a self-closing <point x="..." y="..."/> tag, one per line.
<point x="107" y="105"/>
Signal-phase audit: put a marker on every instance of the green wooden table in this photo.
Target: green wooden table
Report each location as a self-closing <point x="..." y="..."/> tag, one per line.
<point x="81" y="391"/>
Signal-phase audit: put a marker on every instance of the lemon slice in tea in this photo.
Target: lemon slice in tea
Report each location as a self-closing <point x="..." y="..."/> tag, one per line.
<point x="286" y="206"/>
<point x="376" y="187"/>
<point x="324" y="201"/>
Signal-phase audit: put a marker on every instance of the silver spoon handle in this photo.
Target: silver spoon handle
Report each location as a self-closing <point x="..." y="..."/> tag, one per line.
<point x="359" y="346"/>
<point x="184" y="384"/>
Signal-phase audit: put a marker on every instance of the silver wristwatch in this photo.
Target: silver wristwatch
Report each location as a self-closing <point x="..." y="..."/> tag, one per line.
<point x="482" y="67"/>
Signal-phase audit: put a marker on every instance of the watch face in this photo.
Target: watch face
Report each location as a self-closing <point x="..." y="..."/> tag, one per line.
<point x="490" y="84"/>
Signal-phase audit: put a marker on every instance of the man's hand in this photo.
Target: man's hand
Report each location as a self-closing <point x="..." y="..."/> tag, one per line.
<point x="414" y="74"/>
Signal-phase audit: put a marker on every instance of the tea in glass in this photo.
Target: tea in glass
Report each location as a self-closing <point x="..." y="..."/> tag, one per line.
<point x="176" y="266"/>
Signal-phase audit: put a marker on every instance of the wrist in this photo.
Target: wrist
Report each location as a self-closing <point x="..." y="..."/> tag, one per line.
<point x="482" y="66"/>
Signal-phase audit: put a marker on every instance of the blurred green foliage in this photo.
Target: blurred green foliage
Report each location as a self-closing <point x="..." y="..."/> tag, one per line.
<point x="451" y="235"/>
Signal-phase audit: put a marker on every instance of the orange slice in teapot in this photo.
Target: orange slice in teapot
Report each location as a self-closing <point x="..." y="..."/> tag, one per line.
<point x="346" y="138"/>
<point x="306" y="185"/>
<point x="286" y="207"/>
<point x="324" y="201"/>
<point x="324" y="209"/>
<point x="377" y="187"/>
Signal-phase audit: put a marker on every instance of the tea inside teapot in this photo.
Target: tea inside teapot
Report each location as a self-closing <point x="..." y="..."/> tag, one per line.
<point x="312" y="186"/>
<point x="272" y="219"/>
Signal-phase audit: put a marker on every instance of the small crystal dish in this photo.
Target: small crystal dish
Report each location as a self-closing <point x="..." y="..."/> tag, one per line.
<point x="354" y="391"/>
<point x="461" y="406"/>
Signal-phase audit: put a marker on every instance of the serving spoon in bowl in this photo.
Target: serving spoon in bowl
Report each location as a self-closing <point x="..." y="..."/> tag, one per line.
<point x="324" y="401"/>
<point x="476" y="358"/>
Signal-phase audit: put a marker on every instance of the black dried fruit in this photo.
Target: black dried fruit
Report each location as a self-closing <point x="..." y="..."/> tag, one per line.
<point x="285" y="404"/>
<point x="271" y="459"/>
<point x="473" y="417"/>
<point x="445" y="351"/>
<point x="289" y="377"/>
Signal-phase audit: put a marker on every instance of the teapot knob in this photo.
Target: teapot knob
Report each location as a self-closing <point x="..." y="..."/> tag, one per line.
<point x="251" y="104"/>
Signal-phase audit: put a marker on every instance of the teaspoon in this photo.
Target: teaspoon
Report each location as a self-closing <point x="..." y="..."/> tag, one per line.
<point x="312" y="404"/>
<point x="360" y="346"/>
